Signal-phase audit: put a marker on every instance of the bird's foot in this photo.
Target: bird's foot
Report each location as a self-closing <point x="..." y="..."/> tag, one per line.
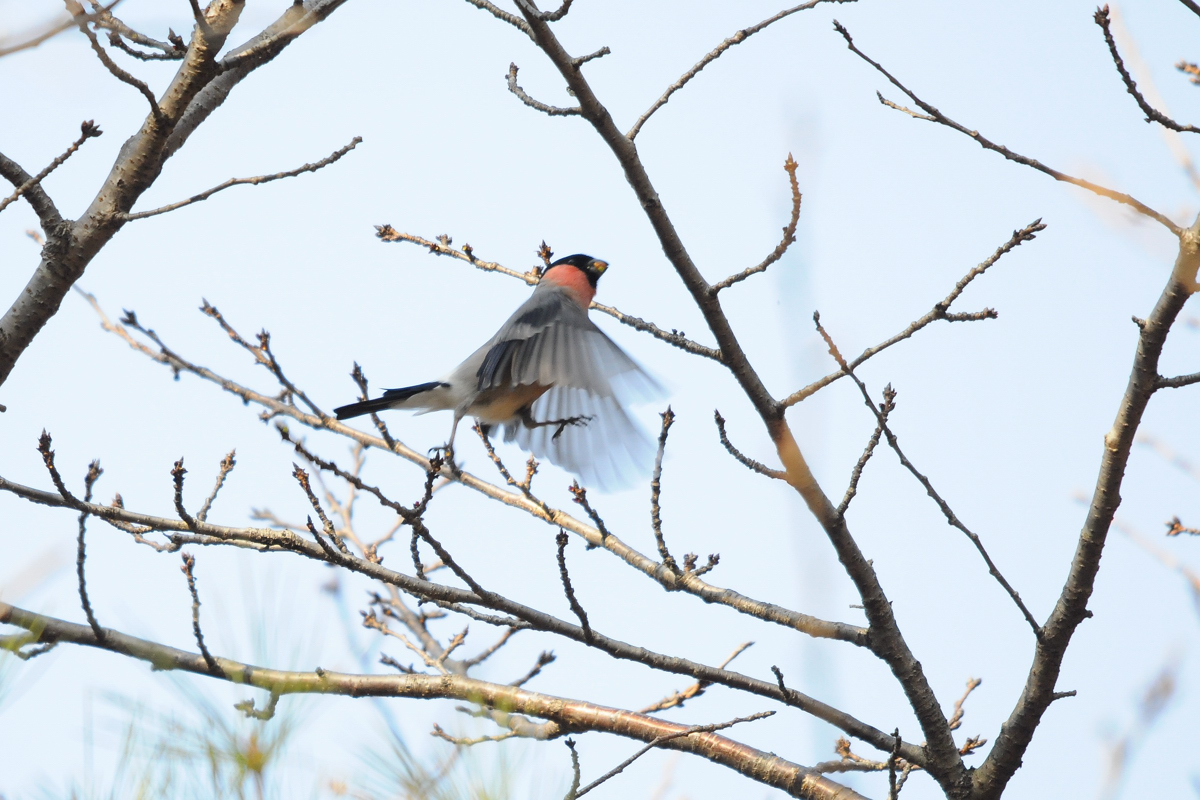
<point x="445" y="454"/>
<point x="563" y="424"/>
<point x="529" y="422"/>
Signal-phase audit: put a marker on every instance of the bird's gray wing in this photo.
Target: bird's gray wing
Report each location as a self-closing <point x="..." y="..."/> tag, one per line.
<point x="608" y="452"/>
<point x="551" y="341"/>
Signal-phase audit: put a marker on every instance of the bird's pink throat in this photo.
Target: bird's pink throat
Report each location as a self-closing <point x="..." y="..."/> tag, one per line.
<point x="575" y="281"/>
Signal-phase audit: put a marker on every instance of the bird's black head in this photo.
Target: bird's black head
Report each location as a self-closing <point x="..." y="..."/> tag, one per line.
<point x="593" y="268"/>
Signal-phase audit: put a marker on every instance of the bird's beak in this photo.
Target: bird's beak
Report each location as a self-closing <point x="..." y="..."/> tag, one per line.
<point x="600" y="266"/>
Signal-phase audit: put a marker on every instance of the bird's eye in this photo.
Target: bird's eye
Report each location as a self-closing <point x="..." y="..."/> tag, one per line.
<point x="599" y="266"/>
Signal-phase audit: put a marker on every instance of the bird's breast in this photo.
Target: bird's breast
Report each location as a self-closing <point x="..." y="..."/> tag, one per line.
<point x="501" y="403"/>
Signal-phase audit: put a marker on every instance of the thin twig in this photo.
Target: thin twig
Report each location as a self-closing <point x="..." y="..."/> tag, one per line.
<point x="1179" y="381"/>
<point x="677" y="699"/>
<point x="468" y="742"/>
<point x="227" y="465"/>
<point x="87" y="130"/>
<point x="302" y="478"/>
<point x="579" y="495"/>
<point x="360" y="379"/>
<point x="561" y="540"/>
<point x="387" y="233"/>
<point x="291" y="173"/>
<point x="668" y="417"/>
<point x="889" y="396"/>
<point x="940" y="311"/>
<point x="1152" y="114"/>
<point x="987" y="144"/>
<point x="490" y="651"/>
<point x="544" y="658"/>
<point x="177" y="473"/>
<point x="188" y="569"/>
<point x="956" y="718"/>
<point x="504" y="16"/>
<point x="666" y="738"/>
<point x="744" y="460"/>
<point x="713" y="55"/>
<point x="93" y="474"/>
<point x="884" y="409"/>
<point x="81" y="21"/>
<point x="51" y="32"/>
<point x="554" y="111"/>
<point x="789" y="235"/>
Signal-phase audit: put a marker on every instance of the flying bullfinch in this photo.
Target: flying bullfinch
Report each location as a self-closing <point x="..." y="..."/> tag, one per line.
<point x="552" y="379"/>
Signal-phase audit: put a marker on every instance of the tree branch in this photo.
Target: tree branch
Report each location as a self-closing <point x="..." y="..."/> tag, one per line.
<point x="1071" y="608"/>
<point x="670" y="581"/>
<point x="933" y="115"/>
<point x="940" y="311"/>
<point x="387" y="233"/>
<point x="940" y="756"/>
<point x="789" y="235"/>
<point x="568" y="715"/>
<point x="291" y="173"/>
<point x="713" y="55"/>
<point x="553" y="111"/>
<point x="88" y="130"/>
<point x="1152" y="114"/>
<point x="461" y="599"/>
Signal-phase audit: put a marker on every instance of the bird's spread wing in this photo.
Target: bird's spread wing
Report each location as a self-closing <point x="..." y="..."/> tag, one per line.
<point x="550" y="341"/>
<point x="608" y="450"/>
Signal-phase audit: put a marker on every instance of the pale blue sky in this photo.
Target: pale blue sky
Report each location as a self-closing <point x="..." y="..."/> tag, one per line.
<point x="1006" y="416"/>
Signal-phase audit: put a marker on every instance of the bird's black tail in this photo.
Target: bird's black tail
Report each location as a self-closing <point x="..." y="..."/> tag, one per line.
<point x="391" y="397"/>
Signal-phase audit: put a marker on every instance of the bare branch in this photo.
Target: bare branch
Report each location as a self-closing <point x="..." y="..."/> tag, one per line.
<point x="490" y="651"/>
<point x="668" y="417"/>
<point x="559" y="13"/>
<point x="713" y="55"/>
<point x="884" y="409"/>
<point x="544" y="658"/>
<point x="227" y="465"/>
<point x="503" y="16"/>
<point x="567" y="714"/>
<point x="51" y="32"/>
<point x="956" y="718"/>
<point x="1152" y="114"/>
<point x="1176" y="527"/>
<point x="254" y="181"/>
<point x="677" y="699"/>
<point x="579" y="62"/>
<point x="940" y="311"/>
<point x="461" y="600"/>
<point x="689" y="582"/>
<point x="745" y="460"/>
<point x="553" y="111"/>
<point x="81" y="21"/>
<point x="1071" y="607"/>
<point x="88" y="130"/>
<point x="1178" y="381"/>
<point x="936" y="116"/>
<point x="93" y="474"/>
<point x="663" y="740"/>
<point x="789" y="235"/>
<point x="579" y="494"/>
<point x="387" y="233"/>
<point x="188" y="569"/>
<point x="561" y="540"/>
<point x="889" y="396"/>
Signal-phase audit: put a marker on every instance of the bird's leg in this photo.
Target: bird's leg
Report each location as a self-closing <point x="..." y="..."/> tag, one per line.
<point x="529" y="422"/>
<point x="448" y="448"/>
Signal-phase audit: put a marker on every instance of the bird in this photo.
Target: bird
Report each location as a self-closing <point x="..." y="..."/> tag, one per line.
<point x="551" y="379"/>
